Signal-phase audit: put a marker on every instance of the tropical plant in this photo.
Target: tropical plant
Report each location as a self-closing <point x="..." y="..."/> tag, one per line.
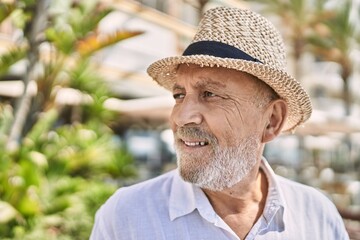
<point x="322" y="27"/>
<point x="334" y="40"/>
<point x="61" y="168"/>
<point x="52" y="185"/>
<point x="297" y="18"/>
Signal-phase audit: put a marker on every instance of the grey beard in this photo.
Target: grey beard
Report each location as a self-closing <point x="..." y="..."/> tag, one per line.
<point x="223" y="168"/>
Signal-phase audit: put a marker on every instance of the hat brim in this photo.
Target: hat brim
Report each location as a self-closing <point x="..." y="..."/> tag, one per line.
<point x="290" y="90"/>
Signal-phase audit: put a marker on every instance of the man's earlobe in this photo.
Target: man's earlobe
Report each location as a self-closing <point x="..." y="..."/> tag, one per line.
<point x="277" y="112"/>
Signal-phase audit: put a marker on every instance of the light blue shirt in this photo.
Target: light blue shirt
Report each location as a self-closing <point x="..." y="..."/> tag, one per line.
<point x="168" y="208"/>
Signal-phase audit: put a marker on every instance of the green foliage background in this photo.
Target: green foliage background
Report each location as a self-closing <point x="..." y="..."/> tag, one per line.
<point x="59" y="171"/>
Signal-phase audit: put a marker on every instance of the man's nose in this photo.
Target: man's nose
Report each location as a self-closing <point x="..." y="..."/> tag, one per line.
<point x="187" y="112"/>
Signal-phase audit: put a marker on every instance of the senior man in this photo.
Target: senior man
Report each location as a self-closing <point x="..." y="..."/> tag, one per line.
<point x="232" y="96"/>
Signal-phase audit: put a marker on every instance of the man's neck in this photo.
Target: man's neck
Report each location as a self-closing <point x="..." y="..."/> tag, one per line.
<point x="241" y="205"/>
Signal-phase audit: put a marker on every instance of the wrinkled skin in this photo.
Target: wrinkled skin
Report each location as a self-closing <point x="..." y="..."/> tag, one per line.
<point x="217" y="126"/>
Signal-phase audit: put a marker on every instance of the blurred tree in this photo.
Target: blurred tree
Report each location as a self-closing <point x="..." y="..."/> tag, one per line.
<point x="327" y="32"/>
<point x="73" y="38"/>
<point x="53" y="176"/>
<point x="334" y="39"/>
<point x="32" y="29"/>
<point x="297" y="18"/>
<point x="337" y="36"/>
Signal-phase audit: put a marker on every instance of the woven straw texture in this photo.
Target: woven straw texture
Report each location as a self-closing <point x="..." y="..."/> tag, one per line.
<point x="254" y="35"/>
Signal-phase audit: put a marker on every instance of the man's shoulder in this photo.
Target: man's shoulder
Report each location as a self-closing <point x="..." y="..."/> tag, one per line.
<point x="295" y="186"/>
<point x="131" y="207"/>
<point x="163" y="180"/>
<point x="142" y="193"/>
<point x="300" y="193"/>
<point x="298" y="188"/>
<point x="313" y="209"/>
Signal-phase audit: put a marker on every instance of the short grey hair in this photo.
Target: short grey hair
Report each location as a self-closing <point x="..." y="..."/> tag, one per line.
<point x="264" y="94"/>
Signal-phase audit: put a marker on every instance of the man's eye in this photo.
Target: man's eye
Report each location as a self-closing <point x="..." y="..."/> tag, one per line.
<point x="209" y="94"/>
<point x="178" y="96"/>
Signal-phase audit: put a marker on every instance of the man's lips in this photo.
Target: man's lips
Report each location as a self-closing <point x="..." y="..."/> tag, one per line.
<point x="195" y="143"/>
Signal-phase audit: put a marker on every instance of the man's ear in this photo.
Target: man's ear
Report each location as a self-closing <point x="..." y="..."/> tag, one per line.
<point x="276" y="114"/>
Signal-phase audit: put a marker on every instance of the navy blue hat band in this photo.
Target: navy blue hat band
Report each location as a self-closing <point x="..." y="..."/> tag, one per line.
<point x="217" y="49"/>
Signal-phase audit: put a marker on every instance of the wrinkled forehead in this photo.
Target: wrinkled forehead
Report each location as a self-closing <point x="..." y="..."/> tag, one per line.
<point x="213" y="74"/>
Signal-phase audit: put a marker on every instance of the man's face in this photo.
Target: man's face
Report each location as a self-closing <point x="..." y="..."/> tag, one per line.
<point x="217" y="126"/>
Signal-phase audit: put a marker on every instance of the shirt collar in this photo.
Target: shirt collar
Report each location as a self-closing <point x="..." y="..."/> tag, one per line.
<point x="186" y="197"/>
<point x="182" y="198"/>
<point x="275" y="202"/>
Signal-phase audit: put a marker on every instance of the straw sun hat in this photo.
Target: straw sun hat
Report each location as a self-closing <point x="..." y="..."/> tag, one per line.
<point x="245" y="41"/>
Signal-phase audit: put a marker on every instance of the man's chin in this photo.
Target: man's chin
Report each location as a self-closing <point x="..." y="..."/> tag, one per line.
<point x="197" y="178"/>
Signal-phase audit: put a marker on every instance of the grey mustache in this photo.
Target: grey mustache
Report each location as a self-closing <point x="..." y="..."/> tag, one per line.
<point x="194" y="132"/>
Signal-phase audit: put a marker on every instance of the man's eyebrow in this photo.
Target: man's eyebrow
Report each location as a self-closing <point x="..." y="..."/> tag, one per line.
<point x="177" y="87"/>
<point x="206" y="81"/>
